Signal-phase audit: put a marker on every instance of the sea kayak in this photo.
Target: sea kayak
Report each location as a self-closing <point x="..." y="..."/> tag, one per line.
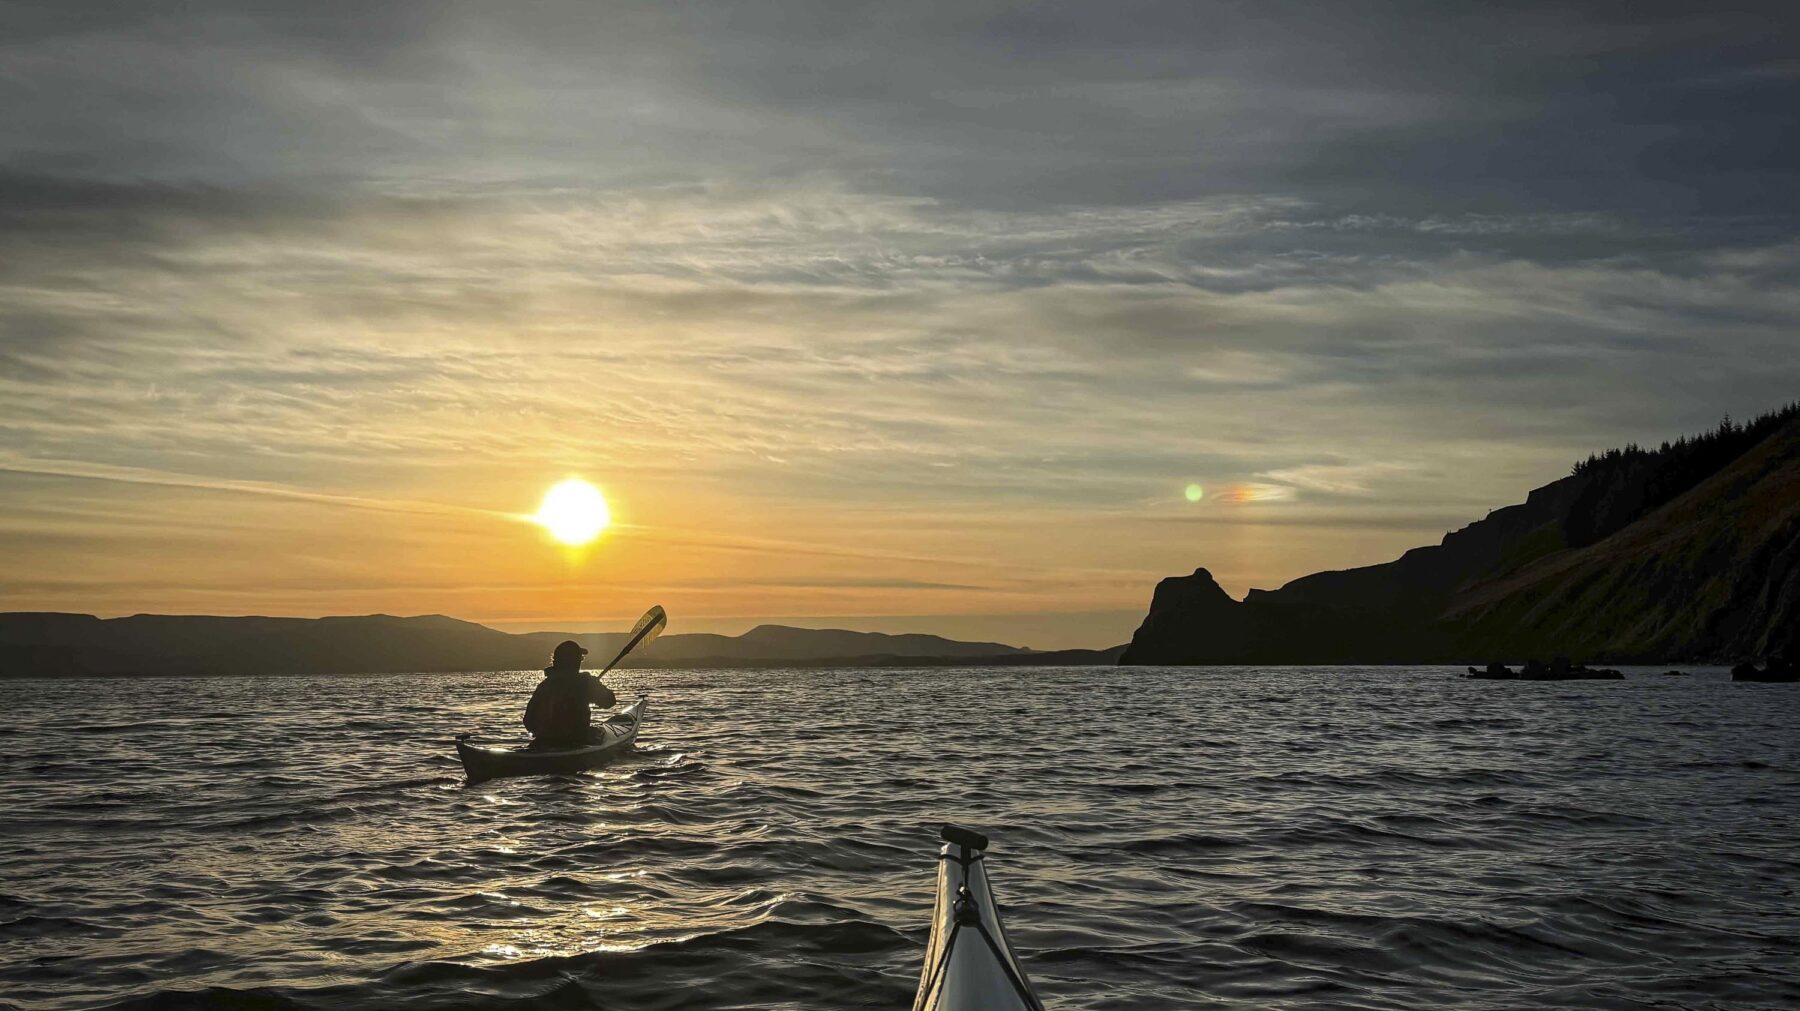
<point x="611" y="736"/>
<point x="969" y="966"/>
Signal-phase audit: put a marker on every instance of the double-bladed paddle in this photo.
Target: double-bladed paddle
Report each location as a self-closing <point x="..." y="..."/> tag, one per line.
<point x="648" y="627"/>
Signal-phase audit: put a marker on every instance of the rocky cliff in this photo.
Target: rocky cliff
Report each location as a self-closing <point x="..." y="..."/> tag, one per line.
<point x="1690" y="551"/>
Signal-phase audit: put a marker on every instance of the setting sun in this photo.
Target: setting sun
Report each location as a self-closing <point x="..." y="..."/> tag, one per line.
<point x="574" y="512"/>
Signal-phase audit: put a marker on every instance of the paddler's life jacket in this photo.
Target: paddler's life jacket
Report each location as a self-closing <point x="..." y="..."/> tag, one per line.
<point x="558" y="712"/>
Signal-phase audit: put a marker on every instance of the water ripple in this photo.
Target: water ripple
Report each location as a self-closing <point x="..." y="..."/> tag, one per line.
<point x="1279" y="838"/>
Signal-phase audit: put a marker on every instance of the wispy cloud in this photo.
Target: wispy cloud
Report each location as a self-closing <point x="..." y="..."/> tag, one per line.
<point x="890" y="282"/>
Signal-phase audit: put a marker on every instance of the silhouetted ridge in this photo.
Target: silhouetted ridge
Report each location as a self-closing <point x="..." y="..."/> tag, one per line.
<point x="38" y="643"/>
<point x="1691" y="550"/>
<point x="1629" y="483"/>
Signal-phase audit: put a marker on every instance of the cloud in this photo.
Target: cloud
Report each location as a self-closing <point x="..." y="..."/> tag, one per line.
<point x="1337" y="478"/>
<point x="834" y="261"/>
<point x="971" y="365"/>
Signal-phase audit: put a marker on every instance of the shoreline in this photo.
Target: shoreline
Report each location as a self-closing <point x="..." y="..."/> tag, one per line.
<point x="1639" y="669"/>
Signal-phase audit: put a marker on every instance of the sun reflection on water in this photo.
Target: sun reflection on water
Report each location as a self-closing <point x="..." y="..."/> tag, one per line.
<point x="1289" y="801"/>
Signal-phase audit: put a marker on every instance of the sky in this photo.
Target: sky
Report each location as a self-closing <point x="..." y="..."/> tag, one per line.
<point x="905" y="317"/>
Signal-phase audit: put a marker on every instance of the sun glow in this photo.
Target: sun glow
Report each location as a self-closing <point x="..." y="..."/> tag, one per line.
<point x="574" y="512"/>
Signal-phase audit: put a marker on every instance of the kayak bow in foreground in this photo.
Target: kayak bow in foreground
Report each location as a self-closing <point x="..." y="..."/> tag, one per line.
<point x="969" y="966"/>
<point x="611" y="737"/>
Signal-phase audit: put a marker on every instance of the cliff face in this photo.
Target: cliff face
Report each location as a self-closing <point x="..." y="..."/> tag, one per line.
<point x="1715" y="574"/>
<point x="1418" y="581"/>
<point x="1639" y="556"/>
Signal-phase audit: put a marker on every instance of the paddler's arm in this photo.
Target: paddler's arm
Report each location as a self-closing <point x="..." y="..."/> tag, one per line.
<point x="601" y="695"/>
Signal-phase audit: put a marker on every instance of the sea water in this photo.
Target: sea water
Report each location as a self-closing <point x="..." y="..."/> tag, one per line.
<point x="1162" y="838"/>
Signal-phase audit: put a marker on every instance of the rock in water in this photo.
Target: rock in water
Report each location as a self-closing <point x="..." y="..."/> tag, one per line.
<point x="1779" y="670"/>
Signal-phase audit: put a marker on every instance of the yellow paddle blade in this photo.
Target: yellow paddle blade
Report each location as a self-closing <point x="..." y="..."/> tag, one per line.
<point x="648" y="628"/>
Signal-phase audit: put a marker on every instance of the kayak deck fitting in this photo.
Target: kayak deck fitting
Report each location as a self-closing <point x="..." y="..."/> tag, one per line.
<point x="969" y="966"/>
<point x="612" y="736"/>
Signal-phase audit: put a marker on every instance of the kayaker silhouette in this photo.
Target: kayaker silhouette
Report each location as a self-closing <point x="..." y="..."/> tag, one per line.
<point x="558" y="714"/>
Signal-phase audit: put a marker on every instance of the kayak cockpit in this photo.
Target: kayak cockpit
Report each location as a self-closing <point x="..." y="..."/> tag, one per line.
<point x="612" y="736"/>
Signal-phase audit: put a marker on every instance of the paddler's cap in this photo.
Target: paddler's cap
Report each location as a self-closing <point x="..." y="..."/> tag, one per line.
<point x="568" y="651"/>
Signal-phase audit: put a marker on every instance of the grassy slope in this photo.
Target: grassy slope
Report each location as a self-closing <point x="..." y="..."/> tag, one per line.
<point x="1706" y="575"/>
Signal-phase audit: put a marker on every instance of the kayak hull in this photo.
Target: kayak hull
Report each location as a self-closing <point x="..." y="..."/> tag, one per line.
<point x="970" y="965"/>
<point x="613" y="736"/>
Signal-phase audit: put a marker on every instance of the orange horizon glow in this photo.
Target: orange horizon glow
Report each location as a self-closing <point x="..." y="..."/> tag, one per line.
<point x="713" y="552"/>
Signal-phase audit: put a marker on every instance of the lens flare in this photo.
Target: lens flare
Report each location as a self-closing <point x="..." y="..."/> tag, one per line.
<point x="1194" y="492"/>
<point x="574" y="512"/>
<point x="1256" y="493"/>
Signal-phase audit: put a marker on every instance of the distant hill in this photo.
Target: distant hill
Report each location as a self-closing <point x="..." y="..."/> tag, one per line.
<point x="778" y="642"/>
<point x="1050" y="658"/>
<point x="1689" y="551"/>
<point x="41" y="643"/>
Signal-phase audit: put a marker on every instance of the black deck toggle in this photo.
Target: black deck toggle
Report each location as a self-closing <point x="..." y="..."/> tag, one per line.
<point x="968" y="839"/>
